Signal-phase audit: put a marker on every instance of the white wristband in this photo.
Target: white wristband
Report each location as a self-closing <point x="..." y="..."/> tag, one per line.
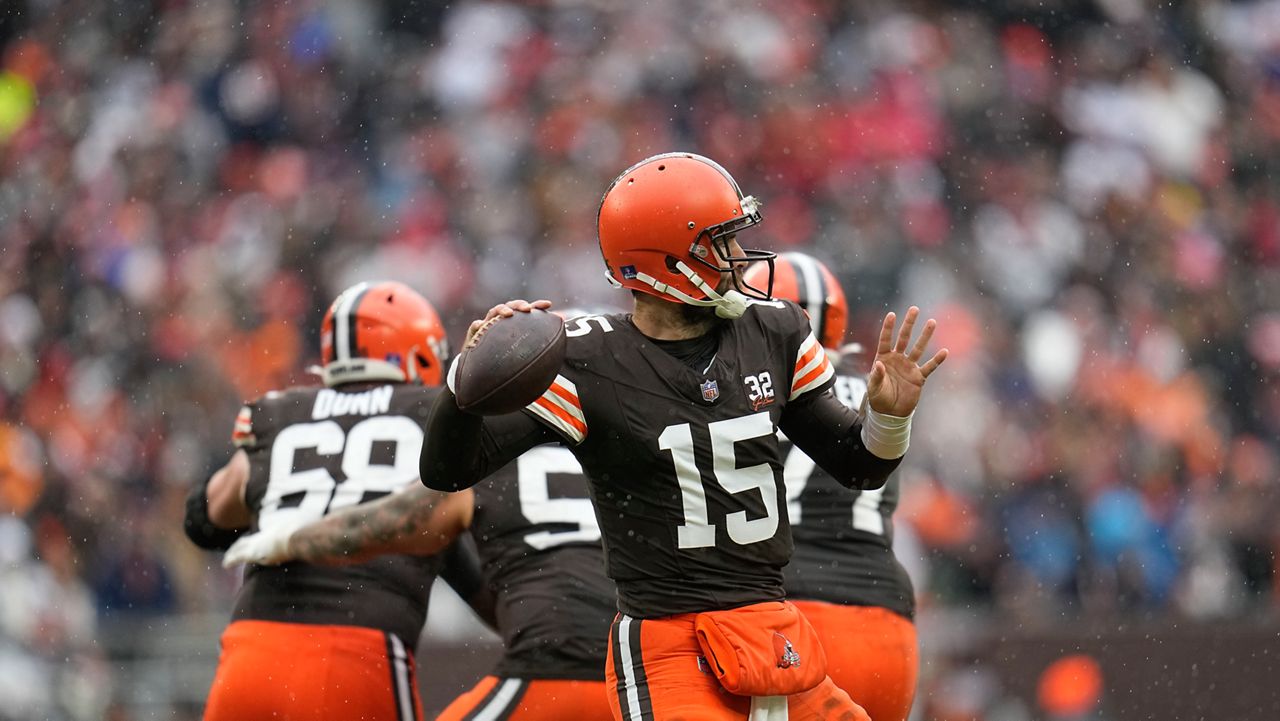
<point x="884" y="435"/>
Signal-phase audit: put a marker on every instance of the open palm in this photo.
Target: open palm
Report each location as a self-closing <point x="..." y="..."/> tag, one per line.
<point x="897" y="376"/>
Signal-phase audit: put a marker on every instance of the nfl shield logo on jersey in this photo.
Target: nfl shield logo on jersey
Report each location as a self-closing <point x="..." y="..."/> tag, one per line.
<point x="710" y="391"/>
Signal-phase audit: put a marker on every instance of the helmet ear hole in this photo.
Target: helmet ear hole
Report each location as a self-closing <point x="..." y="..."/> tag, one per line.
<point x="423" y="360"/>
<point x="671" y="265"/>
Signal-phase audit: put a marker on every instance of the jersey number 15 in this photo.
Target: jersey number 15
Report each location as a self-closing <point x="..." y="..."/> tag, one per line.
<point x="697" y="531"/>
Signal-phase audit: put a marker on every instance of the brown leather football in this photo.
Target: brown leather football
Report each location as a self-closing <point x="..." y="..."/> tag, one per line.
<point x="512" y="363"/>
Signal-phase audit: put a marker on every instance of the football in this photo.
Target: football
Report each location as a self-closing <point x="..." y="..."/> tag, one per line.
<point x="514" y="360"/>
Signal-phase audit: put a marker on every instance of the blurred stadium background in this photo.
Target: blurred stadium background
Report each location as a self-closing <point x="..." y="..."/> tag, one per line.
<point x="1086" y="194"/>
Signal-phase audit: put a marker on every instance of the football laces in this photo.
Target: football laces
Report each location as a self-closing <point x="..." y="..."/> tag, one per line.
<point x="481" y="330"/>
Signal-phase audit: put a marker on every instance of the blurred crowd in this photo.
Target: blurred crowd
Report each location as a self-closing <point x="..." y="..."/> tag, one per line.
<point x="1085" y="194"/>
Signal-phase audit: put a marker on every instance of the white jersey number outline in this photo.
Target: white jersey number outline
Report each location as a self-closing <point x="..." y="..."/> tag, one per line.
<point x="320" y="491"/>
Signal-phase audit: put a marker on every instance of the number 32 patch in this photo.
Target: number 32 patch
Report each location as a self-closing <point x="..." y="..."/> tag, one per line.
<point x="759" y="389"/>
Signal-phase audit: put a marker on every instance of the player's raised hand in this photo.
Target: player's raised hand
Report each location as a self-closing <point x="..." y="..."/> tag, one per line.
<point x="897" y="376"/>
<point x="501" y="310"/>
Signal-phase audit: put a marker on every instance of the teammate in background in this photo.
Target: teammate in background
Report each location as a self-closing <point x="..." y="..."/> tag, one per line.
<point x="673" y="412"/>
<point x="540" y="547"/>
<point x="843" y="575"/>
<point x="312" y="642"/>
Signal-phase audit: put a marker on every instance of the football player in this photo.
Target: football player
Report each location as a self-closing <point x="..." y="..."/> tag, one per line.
<point x="843" y="575"/>
<point x="315" y="642"/>
<point x="673" y="412"/>
<point x="540" y="547"/>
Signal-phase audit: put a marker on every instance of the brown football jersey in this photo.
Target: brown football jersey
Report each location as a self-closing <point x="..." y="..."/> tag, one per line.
<point x="539" y="543"/>
<point x="317" y="450"/>
<point x="684" y="463"/>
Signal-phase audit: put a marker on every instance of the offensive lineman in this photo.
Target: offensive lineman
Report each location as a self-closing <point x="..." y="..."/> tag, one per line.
<point x="673" y="413"/>
<point x="539" y="545"/>
<point x="843" y="575"/>
<point x="540" y="548"/>
<point x="310" y="642"/>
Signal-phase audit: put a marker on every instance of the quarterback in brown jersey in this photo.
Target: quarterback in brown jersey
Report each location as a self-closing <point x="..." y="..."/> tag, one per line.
<point x="673" y="411"/>
<point x="303" y="453"/>
<point x="843" y="574"/>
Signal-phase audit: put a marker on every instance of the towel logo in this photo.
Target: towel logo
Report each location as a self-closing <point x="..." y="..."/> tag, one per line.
<point x="787" y="656"/>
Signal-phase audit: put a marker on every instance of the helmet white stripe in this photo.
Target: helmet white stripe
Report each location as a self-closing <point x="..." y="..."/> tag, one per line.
<point x="342" y="320"/>
<point x="814" y="289"/>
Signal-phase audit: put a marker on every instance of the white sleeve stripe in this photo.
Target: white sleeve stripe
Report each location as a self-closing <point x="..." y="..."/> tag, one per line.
<point x="809" y="345"/>
<point x="572" y="408"/>
<point x="566" y="385"/>
<point x="813" y="363"/>
<point x="823" y="377"/>
<point x="809" y="342"/>
<point x="575" y="426"/>
<point x="556" y="422"/>
<point x="571" y="403"/>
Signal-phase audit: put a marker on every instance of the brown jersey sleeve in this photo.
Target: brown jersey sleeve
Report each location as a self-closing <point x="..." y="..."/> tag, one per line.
<point x="461" y="449"/>
<point x="831" y="434"/>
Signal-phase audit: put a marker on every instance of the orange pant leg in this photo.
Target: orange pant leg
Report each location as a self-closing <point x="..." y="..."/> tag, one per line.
<point x="871" y="653"/>
<point x="655" y="671"/>
<point x="513" y="699"/>
<point x="302" y="672"/>
<point x="826" y="702"/>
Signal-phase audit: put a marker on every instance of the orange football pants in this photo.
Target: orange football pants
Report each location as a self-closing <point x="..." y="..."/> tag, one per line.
<point x="514" y="699"/>
<point x="303" y="672"/>
<point x="871" y="653"/>
<point x="655" y="672"/>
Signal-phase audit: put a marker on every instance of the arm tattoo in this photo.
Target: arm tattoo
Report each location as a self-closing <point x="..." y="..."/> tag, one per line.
<point x="357" y="534"/>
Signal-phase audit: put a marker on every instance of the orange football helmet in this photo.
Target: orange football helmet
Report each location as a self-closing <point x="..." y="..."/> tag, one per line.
<point x="382" y="331"/>
<point x="665" y="228"/>
<point x="808" y="283"/>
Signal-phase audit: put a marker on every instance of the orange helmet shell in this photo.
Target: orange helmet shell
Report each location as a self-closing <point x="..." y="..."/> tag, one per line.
<point x="675" y="205"/>
<point x="382" y="331"/>
<point x="807" y="282"/>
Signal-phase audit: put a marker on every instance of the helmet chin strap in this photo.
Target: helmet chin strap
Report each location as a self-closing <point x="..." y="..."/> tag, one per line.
<point x="730" y="305"/>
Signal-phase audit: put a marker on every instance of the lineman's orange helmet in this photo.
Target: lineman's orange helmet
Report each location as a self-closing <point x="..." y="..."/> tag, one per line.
<point x="382" y="331"/>
<point x="664" y="221"/>
<point x="808" y="283"/>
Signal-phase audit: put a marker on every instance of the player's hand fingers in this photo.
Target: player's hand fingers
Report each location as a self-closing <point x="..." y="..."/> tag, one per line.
<point x="917" y="351"/>
<point x="876" y="377"/>
<point x="524" y="306"/>
<point x="886" y="333"/>
<point x="472" y="330"/>
<point x="934" y="362"/>
<point x="908" y="325"/>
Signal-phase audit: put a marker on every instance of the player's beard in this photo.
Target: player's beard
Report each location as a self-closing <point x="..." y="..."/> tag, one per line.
<point x="699" y="316"/>
<point x="704" y="317"/>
